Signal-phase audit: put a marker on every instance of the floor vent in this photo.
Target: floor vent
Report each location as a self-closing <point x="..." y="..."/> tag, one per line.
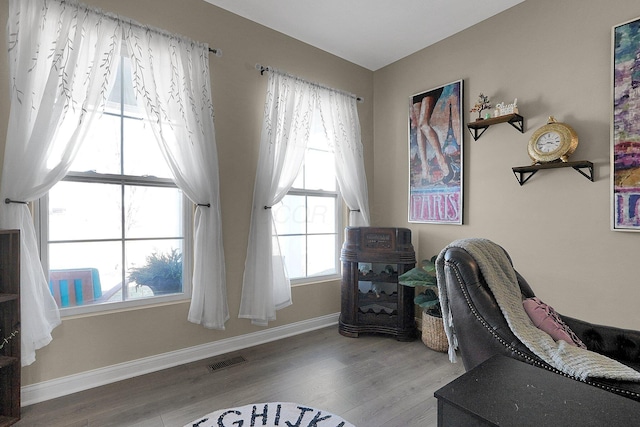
<point x="226" y="363"/>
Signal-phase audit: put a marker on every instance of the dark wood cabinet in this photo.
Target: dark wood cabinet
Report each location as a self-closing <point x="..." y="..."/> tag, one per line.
<point x="372" y="300"/>
<point x="9" y="327"/>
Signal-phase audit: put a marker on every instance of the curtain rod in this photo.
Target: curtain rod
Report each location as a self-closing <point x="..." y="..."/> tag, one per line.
<point x="264" y="69"/>
<point x="118" y="18"/>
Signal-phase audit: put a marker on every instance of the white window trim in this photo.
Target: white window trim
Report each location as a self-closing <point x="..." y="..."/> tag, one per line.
<point x="340" y="215"/>
<point x="41" y="209"/>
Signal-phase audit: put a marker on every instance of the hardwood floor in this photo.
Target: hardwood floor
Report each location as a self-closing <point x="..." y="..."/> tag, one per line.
<point x="370" y="381"/>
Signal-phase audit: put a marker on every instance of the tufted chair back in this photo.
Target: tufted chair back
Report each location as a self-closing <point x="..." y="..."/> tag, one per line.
<point x="483" y="332"/>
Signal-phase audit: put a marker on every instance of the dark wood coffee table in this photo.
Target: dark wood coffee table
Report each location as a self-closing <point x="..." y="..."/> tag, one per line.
<point x="506" y="392"/>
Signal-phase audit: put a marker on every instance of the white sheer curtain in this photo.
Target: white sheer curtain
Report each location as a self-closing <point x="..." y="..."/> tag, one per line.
<point x="340" y="113"/>
<point x="285" y="132"/>
<point x="61" y="57"/>
<point x="171" y="78"/>
<point x="290" y="106"/>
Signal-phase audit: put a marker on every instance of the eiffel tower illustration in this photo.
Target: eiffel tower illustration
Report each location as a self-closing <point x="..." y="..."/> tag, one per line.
<point x="451" y="151"/>
<point x="450" y="146"/>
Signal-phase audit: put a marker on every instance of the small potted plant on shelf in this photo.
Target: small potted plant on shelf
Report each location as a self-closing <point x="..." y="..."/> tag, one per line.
<point x="424" y="276"/>
<point x="482" y="104"/>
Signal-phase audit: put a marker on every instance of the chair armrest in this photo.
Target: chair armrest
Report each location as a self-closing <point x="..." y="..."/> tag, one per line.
<point x="617" y="343"/>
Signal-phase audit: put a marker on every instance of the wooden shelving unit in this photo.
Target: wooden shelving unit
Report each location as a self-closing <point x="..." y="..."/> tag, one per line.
<point x="478" y="127"/>
<point x="523" y="173"/>
<point x="372" y="300"/>
<point x="9" y="325"/>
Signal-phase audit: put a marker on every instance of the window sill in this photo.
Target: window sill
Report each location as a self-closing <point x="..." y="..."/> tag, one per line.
<point x="314" y="280"/>
<point x="80" y="312"/>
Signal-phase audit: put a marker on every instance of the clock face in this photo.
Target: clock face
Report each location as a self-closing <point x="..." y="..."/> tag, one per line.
<point x="552" y="142"/>
<point x="548" y="142"/>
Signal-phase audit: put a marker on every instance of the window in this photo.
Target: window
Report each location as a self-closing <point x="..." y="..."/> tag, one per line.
<point x="115" y="229"/>
<point x="308" y="219"/>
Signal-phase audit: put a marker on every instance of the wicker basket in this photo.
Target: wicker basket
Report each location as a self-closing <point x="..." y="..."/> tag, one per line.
<point x="433" y="335"/>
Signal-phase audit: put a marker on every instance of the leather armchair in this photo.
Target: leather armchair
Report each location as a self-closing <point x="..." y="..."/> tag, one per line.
<point x="482" y="331"/>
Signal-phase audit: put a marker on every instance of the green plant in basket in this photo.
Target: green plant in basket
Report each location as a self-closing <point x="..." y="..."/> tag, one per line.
<point x="424" y="275"/>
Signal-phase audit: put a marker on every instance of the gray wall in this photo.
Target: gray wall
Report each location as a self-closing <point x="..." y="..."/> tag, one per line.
<point x="85" y="343"/>
<point x="555" y="57"/>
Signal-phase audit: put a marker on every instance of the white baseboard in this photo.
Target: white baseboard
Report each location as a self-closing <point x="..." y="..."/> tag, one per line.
<point x="58" y="387"/>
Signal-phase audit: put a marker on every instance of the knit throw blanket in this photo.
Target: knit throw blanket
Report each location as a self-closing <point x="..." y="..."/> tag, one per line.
<point x="501" y="279"/>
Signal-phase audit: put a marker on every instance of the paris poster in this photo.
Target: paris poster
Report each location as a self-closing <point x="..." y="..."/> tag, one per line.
<point x="435" y="155"/>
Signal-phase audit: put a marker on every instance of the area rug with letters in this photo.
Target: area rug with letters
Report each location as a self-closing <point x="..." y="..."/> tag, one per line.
<point x="274" y="414"/>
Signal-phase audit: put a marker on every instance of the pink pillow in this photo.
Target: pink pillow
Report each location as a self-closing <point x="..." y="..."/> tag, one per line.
<point x="545" y="318"/>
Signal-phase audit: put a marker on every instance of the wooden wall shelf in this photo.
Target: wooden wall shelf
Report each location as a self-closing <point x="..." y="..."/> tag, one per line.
<point x="523" y="173"/>
<point x="478" y="127"/>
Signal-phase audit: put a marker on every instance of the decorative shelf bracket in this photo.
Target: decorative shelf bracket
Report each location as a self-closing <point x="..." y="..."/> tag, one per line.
<point x="524" y="173"/>
<point x="476" y="133"/>
<point x="522" y="178"/>
<point x="478" y="127"/>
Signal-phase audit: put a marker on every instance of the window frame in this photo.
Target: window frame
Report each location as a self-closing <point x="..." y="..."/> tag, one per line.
<point x="41" y="215"/>
<point x="339" y="215"/>
<point x="122" y="110"/>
